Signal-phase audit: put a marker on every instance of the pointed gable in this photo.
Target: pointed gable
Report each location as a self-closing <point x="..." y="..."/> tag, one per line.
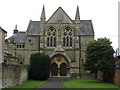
<point x="60" y="16"/>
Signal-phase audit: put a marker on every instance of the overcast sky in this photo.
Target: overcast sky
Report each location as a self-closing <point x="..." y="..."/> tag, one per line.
<point x="103" y="13"/>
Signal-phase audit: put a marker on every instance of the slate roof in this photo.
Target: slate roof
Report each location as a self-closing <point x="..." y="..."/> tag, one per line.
<point x="18" y="38"/>
<point x="34" y="28"/>
<point x="86" y="27"/>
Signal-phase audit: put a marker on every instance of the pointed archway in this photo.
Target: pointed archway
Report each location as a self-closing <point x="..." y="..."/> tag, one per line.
<point x="63" y="69"/>
<point x="59" y="65"/>
<point x="54" y="69"/>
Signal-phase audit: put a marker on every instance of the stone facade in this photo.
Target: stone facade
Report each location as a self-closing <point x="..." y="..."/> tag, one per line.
<point x="2" y="43"/>
<point x="62" y="38"/>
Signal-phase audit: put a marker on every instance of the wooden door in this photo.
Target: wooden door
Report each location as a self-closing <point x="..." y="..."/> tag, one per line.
<point x="54" y="69"/>
<point x="63" y="69"/>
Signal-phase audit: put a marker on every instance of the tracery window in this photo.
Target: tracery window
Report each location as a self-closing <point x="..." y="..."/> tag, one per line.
<point x="51" y="37"/>
<point x="67" y="37"/>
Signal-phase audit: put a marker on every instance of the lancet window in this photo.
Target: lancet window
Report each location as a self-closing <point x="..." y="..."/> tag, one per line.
<point x="51" y="37"/>
<point x="67" y="37"/>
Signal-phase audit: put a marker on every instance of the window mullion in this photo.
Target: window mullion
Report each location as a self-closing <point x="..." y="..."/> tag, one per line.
<point x="69" y="41"/>
<point x="65" y="41"/>
<point x="49" y="41"/>
<point x="52" y="41"/>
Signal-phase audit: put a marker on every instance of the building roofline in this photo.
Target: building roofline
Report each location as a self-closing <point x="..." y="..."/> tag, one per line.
<point x="3" y="30"/>
<point x="56" y="11"/>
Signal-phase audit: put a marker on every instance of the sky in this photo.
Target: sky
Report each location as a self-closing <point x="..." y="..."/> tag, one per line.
<point x="103" y="13"/>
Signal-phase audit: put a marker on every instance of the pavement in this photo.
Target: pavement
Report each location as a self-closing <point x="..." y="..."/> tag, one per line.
<point x="54" y="83"/>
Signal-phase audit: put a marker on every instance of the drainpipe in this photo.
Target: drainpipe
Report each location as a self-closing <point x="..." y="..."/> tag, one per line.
<point x="39" y="44"/>
<point x="80" y="56"/>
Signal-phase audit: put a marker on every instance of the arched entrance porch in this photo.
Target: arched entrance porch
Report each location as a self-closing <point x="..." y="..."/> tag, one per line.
<point x="59" y="65"/>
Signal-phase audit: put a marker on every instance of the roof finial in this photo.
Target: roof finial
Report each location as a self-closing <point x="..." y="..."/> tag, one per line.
<point x="77" y="17"/>
<point x="15" y="31"/>
<point x="43" y="17"/>
<point x="16" y="27"/>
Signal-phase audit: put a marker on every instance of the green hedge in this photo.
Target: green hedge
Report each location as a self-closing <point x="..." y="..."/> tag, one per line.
<point x="10" y="56"/>
<point x="39" y="68"/>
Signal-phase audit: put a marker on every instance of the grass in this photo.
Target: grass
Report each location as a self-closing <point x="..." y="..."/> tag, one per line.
<point x="28" y="84"/>
<point x="89" y="83"/>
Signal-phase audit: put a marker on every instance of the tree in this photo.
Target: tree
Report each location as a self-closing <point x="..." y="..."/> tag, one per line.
<point x="99" y="57"/>
<point x="39" y="68"/>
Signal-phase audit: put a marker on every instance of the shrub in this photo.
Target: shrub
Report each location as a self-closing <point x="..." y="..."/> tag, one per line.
<point x="39" y="68"/>
<point x="99" y="57"/>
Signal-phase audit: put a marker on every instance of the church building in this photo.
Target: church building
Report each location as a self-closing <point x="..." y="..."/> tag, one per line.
<point x="61" y="37"/>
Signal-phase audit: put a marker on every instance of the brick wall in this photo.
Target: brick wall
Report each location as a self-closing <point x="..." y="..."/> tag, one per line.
<point x="115" y="79"/>
<point x="100" y="75"/>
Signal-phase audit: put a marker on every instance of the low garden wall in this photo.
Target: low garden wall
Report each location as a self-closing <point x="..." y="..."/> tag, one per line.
<point x="115" y="79"/>
<point x="13" y="75"/>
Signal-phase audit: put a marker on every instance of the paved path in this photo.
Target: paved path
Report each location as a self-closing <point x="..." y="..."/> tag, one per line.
<point x="54" y="83"/>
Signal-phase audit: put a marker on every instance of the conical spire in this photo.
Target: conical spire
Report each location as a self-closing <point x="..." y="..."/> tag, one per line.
<point x="43" y="17"/>
<point x="15" y="31"/>
<point x="77" y="17"/>
<point x="15" y="27"/>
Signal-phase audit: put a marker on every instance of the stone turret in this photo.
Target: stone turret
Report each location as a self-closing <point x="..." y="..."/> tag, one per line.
<point x="77" y="17"/>
<point x="15" y="30"/>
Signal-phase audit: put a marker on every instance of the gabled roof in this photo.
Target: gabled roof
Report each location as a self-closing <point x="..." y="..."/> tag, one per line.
<point x="86" y="27"/>
<point x="59" y="16"/>
<point x="34" y="28"/>
<point x="20" y="37"/>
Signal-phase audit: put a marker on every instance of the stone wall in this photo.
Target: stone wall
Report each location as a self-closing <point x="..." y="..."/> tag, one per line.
<point x="2" y="44"/>
<point x="13" y="75"/>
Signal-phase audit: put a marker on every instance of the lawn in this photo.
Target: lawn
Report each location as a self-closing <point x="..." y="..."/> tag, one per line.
<point x="28" y="84"/>
<point x="88" y="84"/>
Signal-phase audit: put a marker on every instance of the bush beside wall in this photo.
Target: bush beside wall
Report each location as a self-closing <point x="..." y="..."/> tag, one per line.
<point x="39" y="68"/>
